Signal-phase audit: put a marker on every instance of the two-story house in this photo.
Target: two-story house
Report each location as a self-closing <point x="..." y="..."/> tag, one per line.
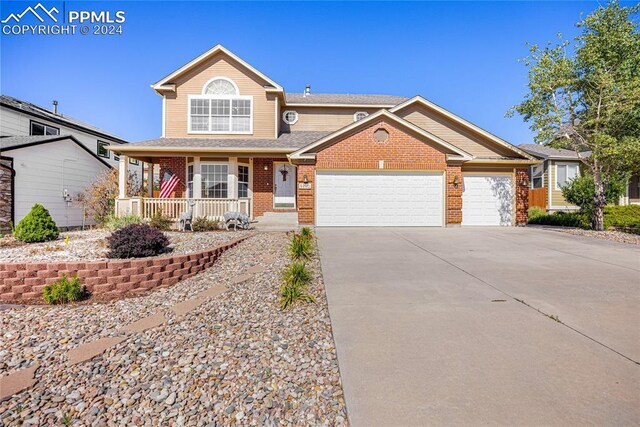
<point x="49" y="158"/>
<point x="236" y="140"/>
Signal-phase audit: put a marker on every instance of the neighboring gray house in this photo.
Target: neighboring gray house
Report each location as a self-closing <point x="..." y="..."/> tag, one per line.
<point x="48" y="158"/>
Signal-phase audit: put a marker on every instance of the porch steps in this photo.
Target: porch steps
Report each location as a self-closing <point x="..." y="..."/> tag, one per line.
<point x="276" y="221"/>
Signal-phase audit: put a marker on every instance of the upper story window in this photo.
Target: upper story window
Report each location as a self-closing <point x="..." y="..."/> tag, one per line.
<point x="360" y="115"/>
<point x="565" y="172"/>
<point x="220" y="109"/>
<point x="290" y="117"/>
<point x="42" y="129"/>
<point x="102" y="150"/>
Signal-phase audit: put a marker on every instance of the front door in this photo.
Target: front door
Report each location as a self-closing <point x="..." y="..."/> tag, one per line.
<point x="285" y="185"/>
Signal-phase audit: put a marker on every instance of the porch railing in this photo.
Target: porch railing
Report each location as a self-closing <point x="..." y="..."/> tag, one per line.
<point x="173" y="208"/>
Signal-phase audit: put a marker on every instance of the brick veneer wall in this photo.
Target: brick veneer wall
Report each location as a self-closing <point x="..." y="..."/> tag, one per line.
<point x="522" y="196"/>
<point x="25" y="281"/>
<point x="306" y="201"/>
<point x="178" y="166"/>
<point x="454" y="195"/>
<point x="6" y="195"/>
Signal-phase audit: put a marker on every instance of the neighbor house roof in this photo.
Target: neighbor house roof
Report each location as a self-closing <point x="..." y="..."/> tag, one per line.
<point x="11" y="143"/>
<point x="545" y="152"/>
<point x="343" y="99"/>
<point x="285" y="143"/>
<point x="308" y="151"/>
<point x="42" y="113"/>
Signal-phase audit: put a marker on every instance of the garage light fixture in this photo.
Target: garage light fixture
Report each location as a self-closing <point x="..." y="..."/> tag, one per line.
<point x="456" y="181"/>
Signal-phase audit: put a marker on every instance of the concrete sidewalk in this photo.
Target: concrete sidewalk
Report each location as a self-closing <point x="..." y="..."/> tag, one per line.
<point x="430" y="329"/>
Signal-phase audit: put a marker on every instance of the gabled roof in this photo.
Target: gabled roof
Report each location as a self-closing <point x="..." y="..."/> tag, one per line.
<point x="343" y="99"/>
<point x="11" y="143"/>
<point x="545" y="152"/>
<point x="285" y="143"/>
<point x="303" y="153"/>
<point x="165" y="82"/>
<point x="42" y="113"/>
<point x="459" y="120"/>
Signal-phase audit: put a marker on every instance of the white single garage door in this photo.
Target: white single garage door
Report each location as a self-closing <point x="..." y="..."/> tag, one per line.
<point x="487" y="200"/>
<point x="379" y="199"/>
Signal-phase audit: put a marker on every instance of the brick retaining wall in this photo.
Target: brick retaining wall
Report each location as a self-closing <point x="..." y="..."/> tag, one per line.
<point x="25" y="281"/>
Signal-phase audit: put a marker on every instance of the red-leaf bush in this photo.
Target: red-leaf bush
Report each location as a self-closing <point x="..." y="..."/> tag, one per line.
<point x="137" y="241"/>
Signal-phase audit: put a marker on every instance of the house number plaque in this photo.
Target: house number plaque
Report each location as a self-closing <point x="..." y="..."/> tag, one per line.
<point x="304" y="185"/>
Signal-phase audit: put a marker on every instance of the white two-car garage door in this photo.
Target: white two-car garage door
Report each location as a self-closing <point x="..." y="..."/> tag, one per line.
<point x="379" y="199"/>
<point x="487" y="200"/>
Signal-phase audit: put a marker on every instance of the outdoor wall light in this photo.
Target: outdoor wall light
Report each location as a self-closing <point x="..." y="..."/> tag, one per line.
<point x="305" y="178"/>
<point x="524" y="182"/>
<point x="266" y="167"/>
<point x="456" y="181"/>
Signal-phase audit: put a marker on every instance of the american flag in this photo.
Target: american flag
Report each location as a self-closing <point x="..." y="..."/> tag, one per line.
<point x="169" y="183"/>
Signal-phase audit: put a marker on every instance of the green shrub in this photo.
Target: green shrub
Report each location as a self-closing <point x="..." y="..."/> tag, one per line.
<point x="136" y="241"/>
<point x="161" y="222"/>
<point x="300" y="247"/>
<point x="622" y="216"/>
<point x="63" y="291"/>
<point x="296" y="279"/>
<point x="204" y="224"/>
<point x="37" y="226"/>
<point x="581" y="191"/>
<point x="535" y="211"/>
<point x="563" y="219"/>
<point x="306" y="232"/>
<point x="113" y="222"/>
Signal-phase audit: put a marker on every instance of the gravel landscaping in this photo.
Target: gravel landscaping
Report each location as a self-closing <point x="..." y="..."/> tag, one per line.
<point x="90" y="245"/>
<point x="616" y="236"/>
<point x="235" y="359"/>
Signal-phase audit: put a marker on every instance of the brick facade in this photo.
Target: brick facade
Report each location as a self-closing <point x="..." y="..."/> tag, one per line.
<point x="306" y="199"/>
<point x="25" y="281"/>
<point x="522" y="195"/>
<point x="453" y="215"/>
<point x="6" y="195"/>
<point x="177" y="165"/>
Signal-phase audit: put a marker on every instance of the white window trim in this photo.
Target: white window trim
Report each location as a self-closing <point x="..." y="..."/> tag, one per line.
<point x="355" y="115"/>
<point x="202" y="188"/>
<point x="210" y="97"/>
<point x="248" y="180"/>
<point x="193" y="179"/>
<point x="221" y="78"/>
<point x="555" y="178"/>
<point x="284" y="117"/>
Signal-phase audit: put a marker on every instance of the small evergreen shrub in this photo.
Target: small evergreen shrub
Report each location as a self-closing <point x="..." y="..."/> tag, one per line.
<point x="37" y="226"/>
<point x="161" y="222"/>
<point x="300" y="247"/>
<point x="203" y="223"/>
<point x="63" y="291"/>
<point x="562" y="219"/>
<point x="622" y="216"/>
<point x="113" y="222"/>
<point x="296" y="280"/>
<point x="535" y="211"/>
<point x="136" y="241"/>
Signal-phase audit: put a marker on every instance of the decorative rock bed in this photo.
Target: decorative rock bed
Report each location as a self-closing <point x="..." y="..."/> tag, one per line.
<point x="25" y="281"/>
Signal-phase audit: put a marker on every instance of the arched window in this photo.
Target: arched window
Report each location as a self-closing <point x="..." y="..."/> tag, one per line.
<point x="220" y="86"/>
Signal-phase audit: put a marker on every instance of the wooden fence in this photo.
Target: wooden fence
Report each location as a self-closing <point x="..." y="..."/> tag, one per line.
<point x="538" y="197"/>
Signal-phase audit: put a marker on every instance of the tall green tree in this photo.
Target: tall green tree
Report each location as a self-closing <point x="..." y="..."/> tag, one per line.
<point x="584" y="95"/>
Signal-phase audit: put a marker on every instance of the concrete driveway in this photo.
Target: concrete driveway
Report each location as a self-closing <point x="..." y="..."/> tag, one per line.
<point x="453" y="327"/>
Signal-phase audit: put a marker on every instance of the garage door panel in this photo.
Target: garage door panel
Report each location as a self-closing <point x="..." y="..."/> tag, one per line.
<point x="379" y="199"/>
<point x="487" y="200"/>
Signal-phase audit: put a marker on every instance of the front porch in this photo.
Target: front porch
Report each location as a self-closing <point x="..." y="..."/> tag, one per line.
<point x="213" y="185"/>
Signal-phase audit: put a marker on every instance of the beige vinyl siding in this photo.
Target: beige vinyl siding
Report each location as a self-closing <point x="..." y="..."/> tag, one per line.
<point x="321" y="118"/>
<point x="453" y="133"/>
<point x="192" y="82"/>
<point x="557" y="199"/>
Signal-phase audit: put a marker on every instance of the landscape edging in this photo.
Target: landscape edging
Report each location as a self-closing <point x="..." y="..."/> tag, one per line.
<point x="25" y="281"/>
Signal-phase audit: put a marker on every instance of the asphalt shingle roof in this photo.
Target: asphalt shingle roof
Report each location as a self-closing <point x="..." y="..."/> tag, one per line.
<point x="34" y="109"/>
<point x="544" y="151"/>
<point x="344" y="98"/>
<point x="286" y="140"/>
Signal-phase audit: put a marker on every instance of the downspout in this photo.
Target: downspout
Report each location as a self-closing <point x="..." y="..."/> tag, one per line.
<point x="13" y="187"/>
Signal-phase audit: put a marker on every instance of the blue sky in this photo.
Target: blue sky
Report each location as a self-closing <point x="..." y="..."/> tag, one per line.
<point x="460" y="55"/>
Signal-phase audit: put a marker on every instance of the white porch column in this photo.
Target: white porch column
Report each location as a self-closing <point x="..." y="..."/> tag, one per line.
<point x="250" y="193"/>
<point x="232" y="192"/>
<point x="123" y="175"/>
<point x="197" y="186"/>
